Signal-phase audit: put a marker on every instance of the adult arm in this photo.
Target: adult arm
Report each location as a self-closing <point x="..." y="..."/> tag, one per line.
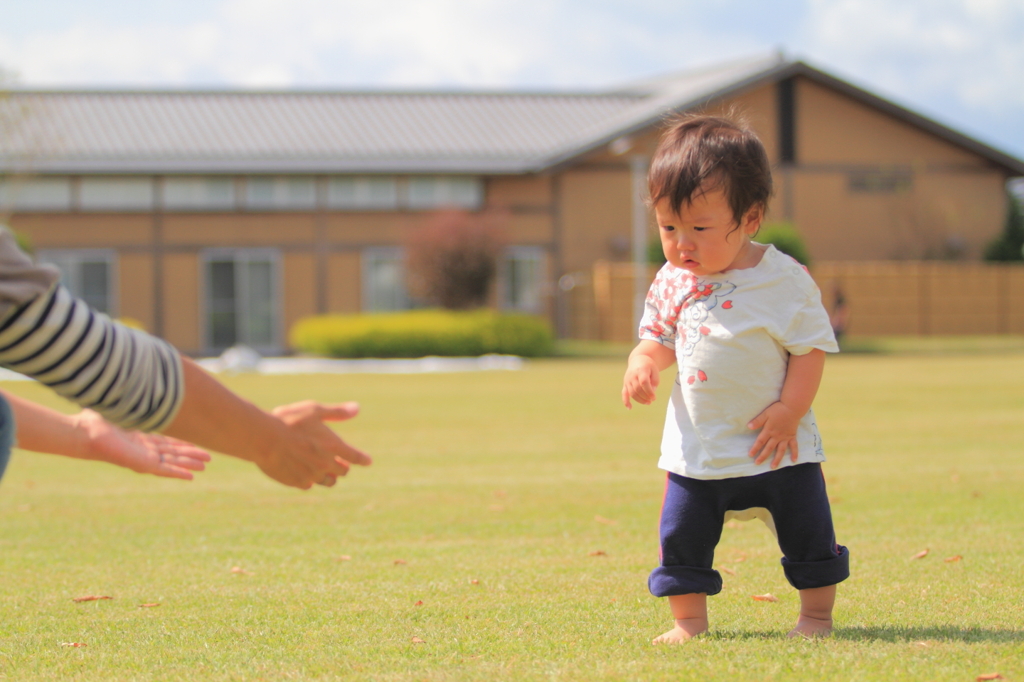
<point x="291" y="443"/>
<point x="87" y="435"/>
<point x="141" y="383"/>
<point x="780" y="420"/>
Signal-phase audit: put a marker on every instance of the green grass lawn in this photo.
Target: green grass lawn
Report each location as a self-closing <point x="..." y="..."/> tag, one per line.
<point x="510" y="523"/>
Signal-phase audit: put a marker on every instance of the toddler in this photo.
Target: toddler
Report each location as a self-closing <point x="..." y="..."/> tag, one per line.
<point x="746" y="327"/>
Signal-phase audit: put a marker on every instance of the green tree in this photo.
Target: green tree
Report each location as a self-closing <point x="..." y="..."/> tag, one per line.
<point x="1009" y="246"/>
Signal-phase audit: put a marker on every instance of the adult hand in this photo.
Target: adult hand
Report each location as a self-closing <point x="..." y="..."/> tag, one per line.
<point x="309" y="452"/>
<point x="144" y="453"/>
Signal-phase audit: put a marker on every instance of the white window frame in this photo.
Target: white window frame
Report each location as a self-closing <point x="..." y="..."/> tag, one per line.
<point x="116" y="194"/>
<point x="191" y="193"/>
<point x="374" y="298"/>
<point x="427" y="192"/>
<point x="363" y="193"/>
<point x="283" y="195"/>
<point x="523" y="301"/>
<point x="35" y="194"/>
<point x="238" y="256"/>
<point x="70" y="262"/>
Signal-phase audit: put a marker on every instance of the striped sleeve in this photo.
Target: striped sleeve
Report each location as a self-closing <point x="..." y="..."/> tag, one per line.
<point x="132" y="379"/>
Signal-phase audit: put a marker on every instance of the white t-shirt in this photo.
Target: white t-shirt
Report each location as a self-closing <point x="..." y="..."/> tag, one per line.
<point x="733" y="333"/>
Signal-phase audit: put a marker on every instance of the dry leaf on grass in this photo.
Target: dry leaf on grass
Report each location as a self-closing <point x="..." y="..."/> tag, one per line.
<point x="920" y="555"/>
<point x="238" y="570"/>
<point x="765" y="597"/>
<point x="599" y="552"/>
<point x="417" y="640"/>
<point x="989" y="676"/>
<point x="74" y="644"/>
<point x="91" y="597"/>
<point x="344" y="557"/>
<point x="474" y="581"/>
<point x="723" y="569"/>
<point x="419" y="603"/>
<point x="149" y="606"/>
<point x="399" y="562"/>
<point x="951" y="559"/>
<point x="607" y="522"/>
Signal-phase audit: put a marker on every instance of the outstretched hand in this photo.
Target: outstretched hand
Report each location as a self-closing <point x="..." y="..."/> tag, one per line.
<point x="311" y="452"/>
<point x="144" y="453"/>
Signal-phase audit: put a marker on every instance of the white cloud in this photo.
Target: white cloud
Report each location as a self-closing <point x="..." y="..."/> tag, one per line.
<point x="970" y="51"/>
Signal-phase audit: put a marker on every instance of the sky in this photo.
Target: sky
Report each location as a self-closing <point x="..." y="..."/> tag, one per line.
<point x="959" y="62"/>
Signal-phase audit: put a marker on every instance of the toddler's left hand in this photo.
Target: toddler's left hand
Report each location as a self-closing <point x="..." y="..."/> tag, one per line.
<point x="778" y="425"/>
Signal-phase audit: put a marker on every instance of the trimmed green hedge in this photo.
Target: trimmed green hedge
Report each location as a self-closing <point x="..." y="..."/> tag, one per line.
<point x="418" y="333"/>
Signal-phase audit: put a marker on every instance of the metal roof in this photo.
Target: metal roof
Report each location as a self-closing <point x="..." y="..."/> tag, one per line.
<point x="368" y="132"/>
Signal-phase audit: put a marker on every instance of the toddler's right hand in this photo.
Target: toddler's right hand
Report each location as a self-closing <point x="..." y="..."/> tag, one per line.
<point x="642" y="377"/>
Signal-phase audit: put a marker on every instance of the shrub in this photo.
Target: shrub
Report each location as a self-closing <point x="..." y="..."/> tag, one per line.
<point x="1009" y="246"/>
<point x="655" y="254"/>
<point x="785" y="238"/>
<point x="453" y="259"/>
<point x="419" y="333"/>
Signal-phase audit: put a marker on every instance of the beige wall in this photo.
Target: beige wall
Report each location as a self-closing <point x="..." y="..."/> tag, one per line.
<point x="135" y="288"/>
<point x="595" y="215"/>
<point x="955" y="197"/>
<point x="344" y="289"/>
<point x="239" y="230"/>
<point x="84" y="230"/>
<point x="181" y="301"/>
<point x="299" y="297"/>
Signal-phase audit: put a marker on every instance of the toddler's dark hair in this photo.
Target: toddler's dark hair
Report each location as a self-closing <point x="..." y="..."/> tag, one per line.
<point x="698" y="154"/>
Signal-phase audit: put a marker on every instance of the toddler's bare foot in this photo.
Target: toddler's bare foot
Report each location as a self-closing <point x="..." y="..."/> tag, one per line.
<point x="811" y="628"/>
<point x="685" y="629"/>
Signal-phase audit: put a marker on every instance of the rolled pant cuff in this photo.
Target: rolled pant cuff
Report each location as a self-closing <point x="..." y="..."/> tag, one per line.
<point x="669" y="581"/>
<point x="805" y="575"/>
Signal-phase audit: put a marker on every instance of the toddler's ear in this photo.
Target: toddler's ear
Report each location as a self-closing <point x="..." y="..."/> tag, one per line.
<point x="752" y="220"/>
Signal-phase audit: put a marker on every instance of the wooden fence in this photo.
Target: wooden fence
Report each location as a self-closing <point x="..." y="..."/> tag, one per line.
<point x="883" y="297"/>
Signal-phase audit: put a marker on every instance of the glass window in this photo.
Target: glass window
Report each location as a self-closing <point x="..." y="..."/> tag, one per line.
<point x="383" y="275"/>
<point x="35" y="194"/>
<point x="87" y="273"/>
<point x="241" y="298"/>
<point x="885" y="182"/>
<point x="363" y="193"/>
<point x="440" y="191"/>
<point x="117" y="194"/>
<point x="280" y="193"/>
<point x="199" y="194"/>
<point x="522" y="278"/>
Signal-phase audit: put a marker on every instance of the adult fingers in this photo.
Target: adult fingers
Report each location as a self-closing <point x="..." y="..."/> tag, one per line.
<point x="336" y="412"/>
<point x="345" y="454"/>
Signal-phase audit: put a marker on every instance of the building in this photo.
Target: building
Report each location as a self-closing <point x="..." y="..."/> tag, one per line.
<point x="222" y="217"/>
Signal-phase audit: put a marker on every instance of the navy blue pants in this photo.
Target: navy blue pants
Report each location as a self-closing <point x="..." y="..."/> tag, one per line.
<point x="691" y="526"/>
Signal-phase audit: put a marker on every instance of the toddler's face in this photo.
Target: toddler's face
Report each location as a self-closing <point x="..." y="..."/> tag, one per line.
<point x="703" y="237"/>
